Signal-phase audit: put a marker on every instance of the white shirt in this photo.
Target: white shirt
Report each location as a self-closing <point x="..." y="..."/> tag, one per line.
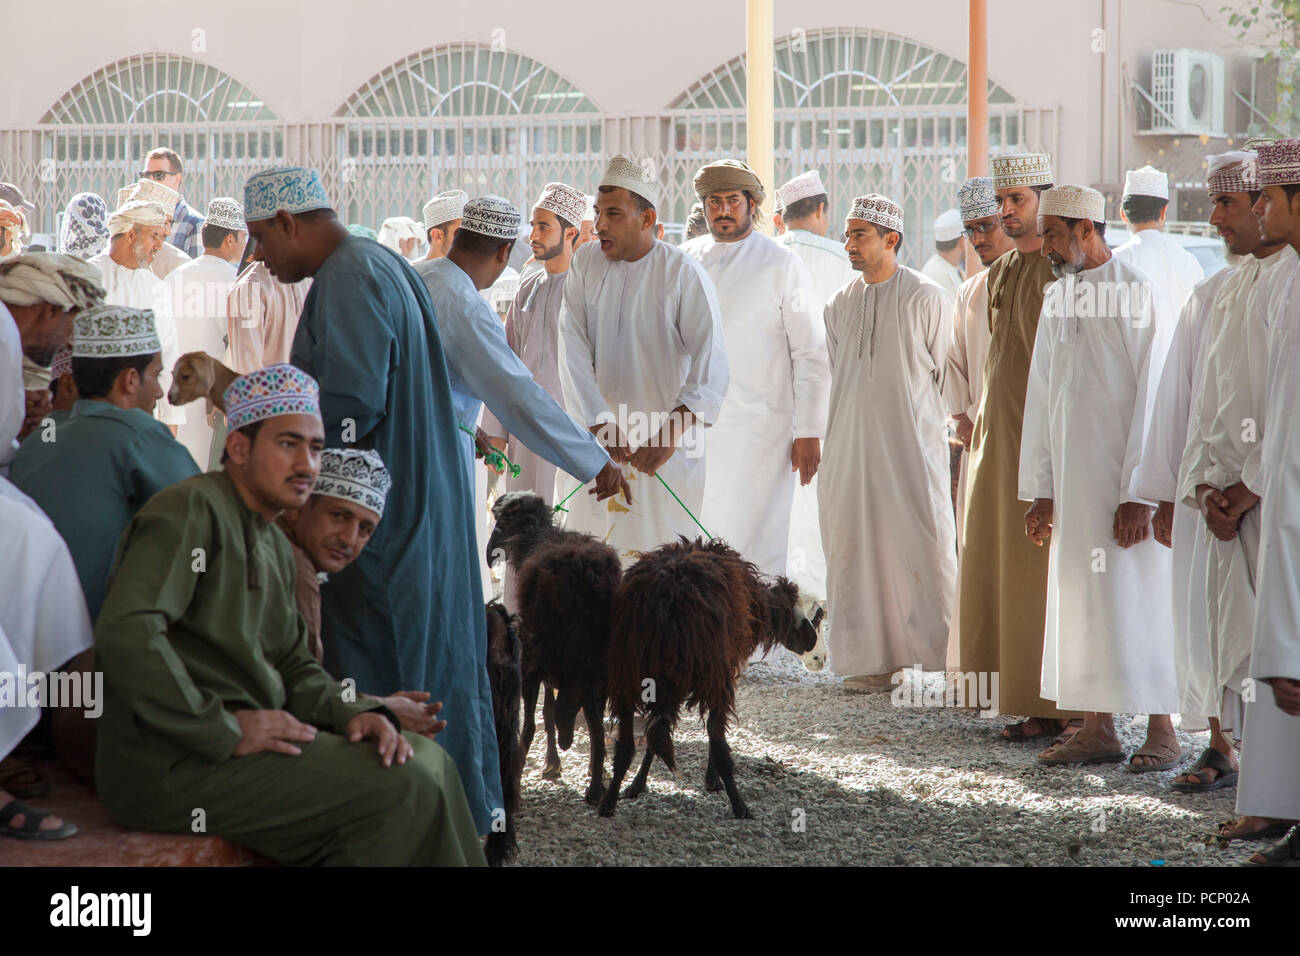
<point x="779" y="391"/>
<point x="141" y="289"/>
<point x="1081" y="443"/>
<point x="943" y="272"/>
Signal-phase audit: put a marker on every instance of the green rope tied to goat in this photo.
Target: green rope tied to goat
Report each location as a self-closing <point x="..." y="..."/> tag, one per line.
<point x="560" y="506"/>
<point x="494" y="457"/>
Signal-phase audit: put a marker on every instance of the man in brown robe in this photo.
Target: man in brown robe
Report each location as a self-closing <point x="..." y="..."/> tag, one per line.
<point x="1003" y="576"/>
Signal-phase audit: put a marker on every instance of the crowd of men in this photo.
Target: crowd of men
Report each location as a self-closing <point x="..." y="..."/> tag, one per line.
<point x="287" y="575"/>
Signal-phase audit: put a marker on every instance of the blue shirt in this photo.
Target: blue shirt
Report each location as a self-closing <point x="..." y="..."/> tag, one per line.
<point x="186" y="230"/>
<point x="407" y="614"/>
<point x="485" y="370"/>
<point x="102" y="465"/>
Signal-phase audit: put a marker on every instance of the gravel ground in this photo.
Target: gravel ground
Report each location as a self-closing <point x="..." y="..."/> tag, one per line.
<point x="834" y="778"/>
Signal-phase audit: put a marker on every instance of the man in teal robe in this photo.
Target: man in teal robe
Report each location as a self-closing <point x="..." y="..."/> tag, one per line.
<point x="217" y="718"/>
<point x="409" y="611"/>
<point x="91" y="470"/>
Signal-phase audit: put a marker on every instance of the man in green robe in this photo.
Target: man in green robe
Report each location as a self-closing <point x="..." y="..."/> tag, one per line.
<point x="217" y="718"/>
<point x="1003" y="598"/>
<point x="92" y="470"/>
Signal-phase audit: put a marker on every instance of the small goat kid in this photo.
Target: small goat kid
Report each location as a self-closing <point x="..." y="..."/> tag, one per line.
<point x="565" y="586"/>
<point x="198" y="375"/>
<point x="687" y="617"/>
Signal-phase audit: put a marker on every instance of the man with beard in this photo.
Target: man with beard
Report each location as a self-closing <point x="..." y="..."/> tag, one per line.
<point x="963" y="382"/>
<point x="1084" y="424"/>
<point x="774" y="417"/>
<point x="1270" y="781"/>
<point x="1004" y="578"/>
<point x="533" y="325"/>
<point x="137" y="230"/>
<point x="885" y="499"/>
<point x="1218" y="479"/>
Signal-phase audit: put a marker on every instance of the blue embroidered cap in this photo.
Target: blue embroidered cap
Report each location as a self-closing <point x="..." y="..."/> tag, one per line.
<point x="281" y="389"/>
<point x="291" y="188"/>
<point x="977" y="199"/>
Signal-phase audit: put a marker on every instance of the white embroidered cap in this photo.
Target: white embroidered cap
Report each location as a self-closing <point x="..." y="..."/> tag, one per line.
<point x="1073" y="202"/>
<point x="624" y="173"/>
<point x="881" y="210"/>
<point x="1147" y="181"/>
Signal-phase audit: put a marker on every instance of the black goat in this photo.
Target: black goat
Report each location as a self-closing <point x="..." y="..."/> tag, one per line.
<point x="687" y="616"/>
<point x="503" y="676"/>
<point x="565" y="585"/>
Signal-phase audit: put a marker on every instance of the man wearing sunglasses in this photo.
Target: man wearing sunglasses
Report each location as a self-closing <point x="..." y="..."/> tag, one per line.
<point x="163" y="165"/>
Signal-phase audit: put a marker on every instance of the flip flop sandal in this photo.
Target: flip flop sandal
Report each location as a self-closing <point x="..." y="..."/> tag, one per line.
<point x="1074" y="752"/>
<point x="1270" y="832"/>
<point x="1016" y="732"/>
<point x="1285" y="853"/>
<point x="1210" y="759"/>
<point x="25" y="783"/>
<point x="1159" y="751"/>
<point x="31" y="828"/>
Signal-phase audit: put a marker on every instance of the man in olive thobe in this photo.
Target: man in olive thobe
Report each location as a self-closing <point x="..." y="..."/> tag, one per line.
<point x="217" y="718"/>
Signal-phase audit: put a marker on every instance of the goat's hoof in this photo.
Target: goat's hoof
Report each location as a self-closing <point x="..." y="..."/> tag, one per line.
<point x="606" y="810"/>
<point x="551" y="771"/>
<point x="742" y="813"/>
<point x="632" y="792"/>
<point x="594" y="795"/>
<point x="712" y="785"/>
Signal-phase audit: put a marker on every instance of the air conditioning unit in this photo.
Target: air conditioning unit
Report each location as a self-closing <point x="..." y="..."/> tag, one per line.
<point x="1187" y="89"/>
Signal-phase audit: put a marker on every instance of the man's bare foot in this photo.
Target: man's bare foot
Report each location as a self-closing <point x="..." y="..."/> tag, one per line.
<point x="1209" y="773"/>
<point x="1161" y="746"/>
<point x="1032" y="728"/>
<point x="1254" y="828"/>
<point x="49" y="822"/>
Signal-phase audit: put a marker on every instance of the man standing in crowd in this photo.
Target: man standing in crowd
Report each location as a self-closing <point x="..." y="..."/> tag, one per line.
<point x="774" y="416"/>
<point x="886" y="507"/>
<point x="643" y="364"/>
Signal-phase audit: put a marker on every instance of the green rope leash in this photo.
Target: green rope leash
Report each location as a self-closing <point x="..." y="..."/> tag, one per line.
<point x="494" y="457"/>
<point x="560" y="506"/>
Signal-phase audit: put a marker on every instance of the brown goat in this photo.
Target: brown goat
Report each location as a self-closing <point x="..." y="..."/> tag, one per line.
<point x="687" y="617"/>
<point x="198" y="375"/>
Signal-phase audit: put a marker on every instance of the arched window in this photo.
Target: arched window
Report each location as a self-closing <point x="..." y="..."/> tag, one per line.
<point x="846" y="68"/>
<point x="466" y="116"/>
<point x="466" y="80"/>
<point x="158" y="88"/>
<point x="872" y="111"/>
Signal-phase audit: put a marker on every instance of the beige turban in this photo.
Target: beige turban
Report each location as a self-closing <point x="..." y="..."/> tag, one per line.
<point x="726" y="175"/>
<point x="137" y="212"/>
<point x="64" y="281"/>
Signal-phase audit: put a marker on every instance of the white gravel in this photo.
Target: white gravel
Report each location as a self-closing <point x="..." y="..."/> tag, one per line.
<point x="836" y="778"/>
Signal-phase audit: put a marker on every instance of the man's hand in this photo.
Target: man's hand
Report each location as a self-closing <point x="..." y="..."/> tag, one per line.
<point x="609" y="482"/>
<point x="373" y="725"/>
<point x="37" y="405"/>
<point x="965" y="428"/>
<point x="1162" y="524"/>
<point x="1286" y="694"/>
<point x="1132" y="523"/>
<point x="653" y="455"/>
<point x="1213" y="504"/>
<point x="1240" y="499"/>
<point x="805" y="457"/>
<point x="411" y="707"/>
<point x="612" y="440"/>
<point x="1038" y="520"/>
<point x="274" y="730"/>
